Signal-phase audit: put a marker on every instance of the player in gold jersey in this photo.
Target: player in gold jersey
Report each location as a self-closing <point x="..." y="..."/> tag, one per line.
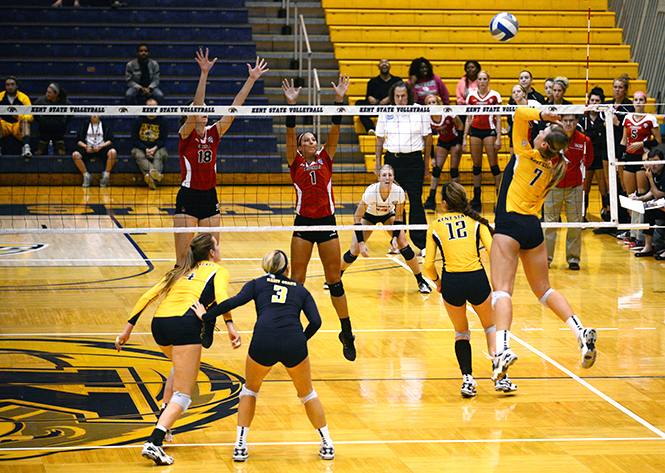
<point x="527" y="179"/>
<point x="177" y="329"/>
<point x="459" y="235"/>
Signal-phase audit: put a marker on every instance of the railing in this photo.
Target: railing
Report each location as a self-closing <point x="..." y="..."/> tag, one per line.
<point x="301" y="37"/>
<point x="643" y="24"/>
<point x="317" y="102"/>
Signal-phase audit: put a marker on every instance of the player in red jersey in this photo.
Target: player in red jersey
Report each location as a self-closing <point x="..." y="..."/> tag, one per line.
<point x="484" y="130"/>
<point x="311" y="172"/>
<point x="196" y="203"/>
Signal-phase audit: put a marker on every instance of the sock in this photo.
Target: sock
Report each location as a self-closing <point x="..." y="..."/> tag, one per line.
<point x="325" y="436"/>
<point x="419" y="278"/>
<point x="346" y="324"/>
<point x="502" y="341"/>
<point x="157" y="436"/>
<point x="575" y="325"/>
<point x="241" y="437"/>
<point x="463" y="352"/>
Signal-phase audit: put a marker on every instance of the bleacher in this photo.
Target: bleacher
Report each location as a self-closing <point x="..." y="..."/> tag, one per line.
<point x="85" y="50"/>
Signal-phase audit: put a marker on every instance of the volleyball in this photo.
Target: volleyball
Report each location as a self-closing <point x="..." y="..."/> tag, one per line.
<point x="504" y="26"/>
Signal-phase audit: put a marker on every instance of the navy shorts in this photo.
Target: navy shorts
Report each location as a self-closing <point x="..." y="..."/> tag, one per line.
<point x="458" y="288"/>
<point x="319" y="236"/>
<point x="481" y="133"/>
<point x="524" y="229"/>
<point x="289" y="349"/>
<point x="374" y="219"/>
<point x="450" y="144"/>
<point x="178" y="330"/>
<point x="196" y="203"/>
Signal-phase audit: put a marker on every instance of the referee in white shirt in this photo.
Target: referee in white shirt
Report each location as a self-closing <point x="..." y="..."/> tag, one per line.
<point x="404" y="137"/>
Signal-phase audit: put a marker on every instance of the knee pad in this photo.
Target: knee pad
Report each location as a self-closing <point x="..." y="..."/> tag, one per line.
<point x="490" y="329"/>
<point x="436" y="172"/>
<point x="496" y="295"/>
<point x="337" y="289"/>
<point x="247" y="392"/>
<point x="349" y="258"/>
<point x="309" y="397"/>
<point x="407" y="252"/>
<point x="466" y="335"/>
<point x="495" y="170"/>
<point x="543" y="300"/>
<point x="477" y="170"/>
<point x="454" y="173"/>
<point x="183" y="400"/>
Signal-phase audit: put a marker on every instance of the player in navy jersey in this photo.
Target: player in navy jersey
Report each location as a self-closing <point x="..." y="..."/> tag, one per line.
<point x="311" y="172"/>
<point x="278" y="338"/>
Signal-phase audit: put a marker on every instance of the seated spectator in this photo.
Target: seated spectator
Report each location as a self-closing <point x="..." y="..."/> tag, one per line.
<point x="424" y="82"/>
<point x="95" y="139"/>
<point x="53" y="127"/>
<point x="16" y="125"/>
<point x="59" y="4"/>
<point x="377" y="92"/>
<point x="656" y="178"/>
<point x="149" y="135"/>
<point x="142" y="77"/>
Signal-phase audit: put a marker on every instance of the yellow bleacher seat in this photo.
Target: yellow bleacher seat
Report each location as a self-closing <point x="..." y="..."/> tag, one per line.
<point x="492" y="5"/>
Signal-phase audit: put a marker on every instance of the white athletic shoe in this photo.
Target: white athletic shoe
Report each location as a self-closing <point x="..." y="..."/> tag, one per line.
<point x="326" y="287"/>
<point x="501" y="363"/>
<point x="240" y="454"/>
<point x="327" y="452"/>
<point x="587" y="343"/>
<point x="106" y="177"/>
<point x="469" y="388"/>
<point x="424" y="288"/>
<point x="156" y="454"/>
<point x="27" y="152"/>
<point x="156" y="175"/>
<point x="505" y="385"/>
<point x="150" y="181"/>
<point x="87" y="179"/>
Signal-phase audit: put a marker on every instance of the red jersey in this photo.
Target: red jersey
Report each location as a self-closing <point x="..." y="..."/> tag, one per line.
<point x="313" y="183"/>
<point x="445" y="128"/>
<point x="198" y="159"/>
<point x="639" y="130"/>
<point x="483" y="122"/>
<point x="575" y="156"/>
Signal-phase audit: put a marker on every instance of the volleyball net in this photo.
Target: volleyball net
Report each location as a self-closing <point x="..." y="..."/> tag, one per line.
<point x="254" y="186"/>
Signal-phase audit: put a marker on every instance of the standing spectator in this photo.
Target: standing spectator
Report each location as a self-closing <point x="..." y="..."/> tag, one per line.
<point x="595" y="130"/>
<point x="377" y="92"/>
<point x="149" y="135"/>
<point x="518" y="96"/>
<point x="424" y="82"/>
<point x="568" y="193"/>
<point x="404" y="137"/>
<point x="142" y="78"/>
<point x="15" y="125"/>
<point x="53" y="127"/>
<point x="95" y="140"/>
<point x="468" y="82"/>
<point x="525" y="80"/>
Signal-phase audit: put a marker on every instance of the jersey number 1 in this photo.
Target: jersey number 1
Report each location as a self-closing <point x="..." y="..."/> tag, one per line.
<point x="312" y="176"/>
<point x="280" y="294"/>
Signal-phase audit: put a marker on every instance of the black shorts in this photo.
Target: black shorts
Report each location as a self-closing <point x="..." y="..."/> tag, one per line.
<point x="378" y="218"/>
<point x="269" y="349"/>
<point x="450" y="144"/>
<point x="178" y="330"/>
<point x="633" y="167"/>
<point x="101" y="154"/>
<point x="481" y="133"/>
<point x="458" y="288"/>
<point x="196" y="203"/>
<point x="318" y="236"/>
<point x="524" y="229"/>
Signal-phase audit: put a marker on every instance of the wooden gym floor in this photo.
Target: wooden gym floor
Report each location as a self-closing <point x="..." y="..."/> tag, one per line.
<point x="71" y="403"/>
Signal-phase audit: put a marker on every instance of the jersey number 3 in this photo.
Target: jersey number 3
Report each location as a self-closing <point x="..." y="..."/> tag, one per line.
<point x="280" y="294"/>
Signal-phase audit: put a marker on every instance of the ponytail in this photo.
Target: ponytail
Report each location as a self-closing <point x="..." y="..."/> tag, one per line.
<point x="557" y="143"/>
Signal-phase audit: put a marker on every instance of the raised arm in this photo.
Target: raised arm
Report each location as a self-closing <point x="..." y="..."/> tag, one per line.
<point x="199" y="97"/>
<point x="333" y="135"/>
<point x="291" y="94"/>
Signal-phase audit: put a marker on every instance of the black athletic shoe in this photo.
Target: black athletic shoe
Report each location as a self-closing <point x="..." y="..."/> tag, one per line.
<point x="207" y="334"/>
<point x="476" y="204"/>
<point x="430" y="204"/>
<point x="349" y="349"/>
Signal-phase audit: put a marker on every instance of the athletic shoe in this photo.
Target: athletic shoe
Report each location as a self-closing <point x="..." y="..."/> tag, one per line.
<point x="150" y="181"/>
<point x="424" y="288"/>
<point x="430" y="204"/>
<point x="240" y="454"/>
<point x="393" y="251"/>
<point x="156" y="454"/>
<point x="501" y="363"/>
<point x="476" y="204"/>
<point x="106" y="177"/>
<point x="574" y="266"/>
<point x="27" y="152"/>
<point x="349" y="350"/>
<point x="326" y="287"/>
<point x="423" y="252"/>
<point x="505" y="385"/>
<point x="623" y="235"/>
<point x="87" y="179"/>
<point x="587" y="343"/>
<point x="156" y="175"/>
<point x="327" y="453"/>
<point x="207" y="334"/>
<point x="469" y="389"/>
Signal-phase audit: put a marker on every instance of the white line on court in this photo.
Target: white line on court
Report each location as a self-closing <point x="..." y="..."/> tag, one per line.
<point x="404" y="265"/>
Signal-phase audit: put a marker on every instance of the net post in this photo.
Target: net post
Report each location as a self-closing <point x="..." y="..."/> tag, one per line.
<point x="612" y="168"/>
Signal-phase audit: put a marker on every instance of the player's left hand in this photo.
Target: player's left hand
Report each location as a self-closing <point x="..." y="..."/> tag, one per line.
<point x="259" y="68"/>
<point x="342" y="86"/>
<point x="198" y="309"/>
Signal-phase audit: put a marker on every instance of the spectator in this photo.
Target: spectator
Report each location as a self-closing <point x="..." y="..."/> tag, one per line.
<point x="149" y="135"/>
<point x="142" y="77"/>
<point x="424" y="82"/>
<point x="525" y="80"/>
<point x="518" y="96"/>
<point x="595" y="130"/>
<point x="656" y="178"/>
<point x="568" y="193"/>
<point x="53" y="127"/>
<point x="59" y="4"/>
<point x="16" y="125"/>
<point x="559" y="87"/>
<point x="377" y="92"/>
<point x="468" y="82"/>
<point x="548" y="90"/>
<point x="404" y="137"/>
<point x="95" y="140"/>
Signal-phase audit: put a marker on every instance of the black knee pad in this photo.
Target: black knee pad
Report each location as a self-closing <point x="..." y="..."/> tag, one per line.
<point x="337" y="289"/>
<point x="349" y="258"/>
<point x="407" y="252"/>
<point x="495" y="170"/>
<point x="454" y="173"/>
<point x="436" y="172"/>
<point x="477" y="170"/>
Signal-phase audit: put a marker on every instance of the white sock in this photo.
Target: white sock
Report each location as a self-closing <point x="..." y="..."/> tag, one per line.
<point x="325" y="436"/>
<point x="575" y="325"/>
<point x="241" y="437"/>
<point x="502" y="341"/>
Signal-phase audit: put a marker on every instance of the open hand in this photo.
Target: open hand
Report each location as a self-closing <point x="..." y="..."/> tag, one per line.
<point x="260" y="68"/>
<point x="204" y="63"/>
<point x="290" y="92"/>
